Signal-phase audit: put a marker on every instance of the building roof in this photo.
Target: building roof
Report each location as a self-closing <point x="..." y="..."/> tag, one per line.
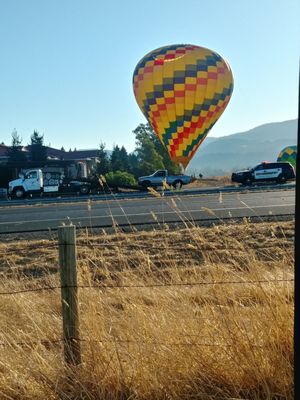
<point x="57" y="154"/>
<point x="71" y="155"/>
<point x="81" y="154"/>
<point x="4" y="149"/>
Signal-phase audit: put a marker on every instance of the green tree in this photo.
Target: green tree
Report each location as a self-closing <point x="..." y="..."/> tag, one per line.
<point x="38" y="151"/>
<point x="104" y="165"/>
<point x="161" y="149"/>
<point x="133" y="164"/>
<point x="15" y="153"/>
<point x="148" y="157"/>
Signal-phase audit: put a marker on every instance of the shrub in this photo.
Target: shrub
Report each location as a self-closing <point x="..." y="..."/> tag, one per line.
<point x="120" y="178"/>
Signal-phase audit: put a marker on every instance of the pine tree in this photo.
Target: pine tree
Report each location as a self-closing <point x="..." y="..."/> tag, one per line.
<point x="119" y="159"/>
<point x="104" y="162"/>
<point x="116" y="164"/>
<point x="134" y="166"/>
<point x="124" y="161"/>
<point x="38" y="152"/>
<point x="15" y="153"/>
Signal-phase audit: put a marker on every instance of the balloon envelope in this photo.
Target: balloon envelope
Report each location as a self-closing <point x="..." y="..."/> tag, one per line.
<point x="288" y="154"/>
<point x="182" y="90"/>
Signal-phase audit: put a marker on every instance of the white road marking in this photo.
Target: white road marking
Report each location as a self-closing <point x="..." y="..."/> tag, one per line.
<point x="144" y="214"/>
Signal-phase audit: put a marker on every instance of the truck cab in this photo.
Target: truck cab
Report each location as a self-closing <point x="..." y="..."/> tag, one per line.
<point x="28" y="183"/>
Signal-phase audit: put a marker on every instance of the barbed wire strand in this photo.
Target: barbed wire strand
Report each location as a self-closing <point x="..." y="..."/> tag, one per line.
<point x="118" y="245"/>
<point x="154" y="285"/>
<point x="120" y="341"/>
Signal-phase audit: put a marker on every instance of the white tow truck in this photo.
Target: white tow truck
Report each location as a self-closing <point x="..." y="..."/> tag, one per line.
<point x="35" y="182"/>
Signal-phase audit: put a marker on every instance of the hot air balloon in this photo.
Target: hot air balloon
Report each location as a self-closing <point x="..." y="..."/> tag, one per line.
<point x="182" y="90"/>
<point x="288" y="154"/>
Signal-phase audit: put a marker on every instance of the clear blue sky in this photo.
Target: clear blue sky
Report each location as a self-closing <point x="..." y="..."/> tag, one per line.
<point x="66" y="65"/>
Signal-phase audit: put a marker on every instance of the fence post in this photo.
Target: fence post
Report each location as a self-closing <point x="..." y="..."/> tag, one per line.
<point x="69" y="289"/>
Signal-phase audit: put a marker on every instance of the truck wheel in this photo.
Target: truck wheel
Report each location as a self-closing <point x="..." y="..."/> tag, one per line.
<point x="177" y="185"/>
<point x="84" y="189"/>
<point x="248" y="182"/>
<point x="281" y="179"/>
<point x="146" y="184"/>
<point x="19" y="193"/>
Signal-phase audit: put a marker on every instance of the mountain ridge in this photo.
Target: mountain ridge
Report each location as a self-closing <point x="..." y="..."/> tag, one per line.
<point x="224" y="154"/>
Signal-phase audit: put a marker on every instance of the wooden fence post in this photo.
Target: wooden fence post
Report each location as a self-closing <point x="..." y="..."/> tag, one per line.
<point x="69" y="289"/>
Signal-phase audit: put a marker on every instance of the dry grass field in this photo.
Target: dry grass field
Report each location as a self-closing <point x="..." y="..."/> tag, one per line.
<point x="195" y="313"/>
<point x="215" y="181"/>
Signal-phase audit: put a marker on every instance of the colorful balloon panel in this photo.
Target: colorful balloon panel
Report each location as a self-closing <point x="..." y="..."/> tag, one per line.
<point x="182" y="90"/>
<point x="288" y="154"/>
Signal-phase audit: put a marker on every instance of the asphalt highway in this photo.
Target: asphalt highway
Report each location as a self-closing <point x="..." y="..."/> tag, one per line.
<point x="152" y="211"/>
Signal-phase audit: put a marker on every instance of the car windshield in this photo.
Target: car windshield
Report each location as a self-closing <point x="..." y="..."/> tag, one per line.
<point x="253" y="168"/>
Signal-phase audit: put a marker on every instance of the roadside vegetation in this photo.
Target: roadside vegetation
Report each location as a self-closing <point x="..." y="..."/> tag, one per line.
<point x="195" y="313"/>
<point x="214" y="181"/>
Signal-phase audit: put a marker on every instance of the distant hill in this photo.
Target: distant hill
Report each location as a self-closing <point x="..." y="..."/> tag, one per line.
<point x="208" y="140"/>
<point x="219" y="156"/>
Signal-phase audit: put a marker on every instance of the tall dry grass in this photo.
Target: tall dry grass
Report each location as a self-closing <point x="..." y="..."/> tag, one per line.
<point x="154" y="336"/>
<point x="217" y="181"/>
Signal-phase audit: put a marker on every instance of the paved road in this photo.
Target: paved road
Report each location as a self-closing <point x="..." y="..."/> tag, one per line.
<point x="143" y="194"/>
<point x="147" y="211"/>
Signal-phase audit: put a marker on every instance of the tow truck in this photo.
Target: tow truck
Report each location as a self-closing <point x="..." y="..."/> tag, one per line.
<point x="35" y="182"/>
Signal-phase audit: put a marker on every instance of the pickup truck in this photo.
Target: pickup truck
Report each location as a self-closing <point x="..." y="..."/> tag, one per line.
<point x="161" y="176"/>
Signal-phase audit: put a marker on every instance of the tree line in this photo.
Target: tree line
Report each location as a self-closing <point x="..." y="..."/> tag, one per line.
<point x="118" y="167"/>
<point x="37" y="150"/>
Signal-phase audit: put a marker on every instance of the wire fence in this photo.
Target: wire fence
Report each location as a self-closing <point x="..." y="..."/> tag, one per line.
<point x="67" y="250"/>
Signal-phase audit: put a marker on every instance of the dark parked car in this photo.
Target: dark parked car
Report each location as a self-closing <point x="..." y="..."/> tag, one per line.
<point x="279" y="172"/>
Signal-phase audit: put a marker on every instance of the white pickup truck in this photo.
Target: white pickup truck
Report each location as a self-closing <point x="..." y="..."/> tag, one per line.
<point x="159" y="177"/>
